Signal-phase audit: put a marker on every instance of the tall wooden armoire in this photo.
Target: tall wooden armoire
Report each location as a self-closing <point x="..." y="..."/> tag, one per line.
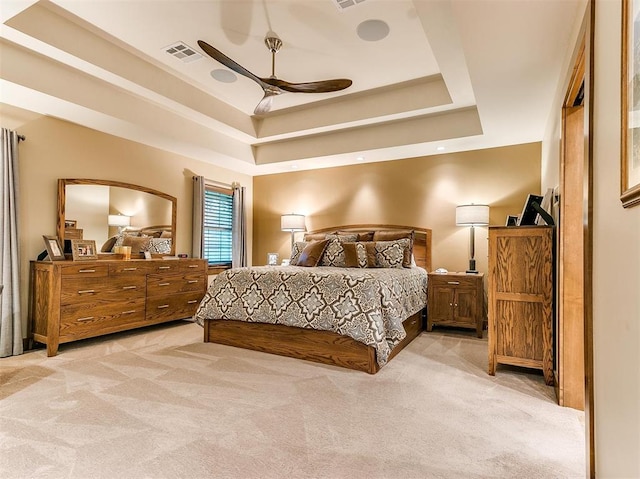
<point x="521" y="298"/>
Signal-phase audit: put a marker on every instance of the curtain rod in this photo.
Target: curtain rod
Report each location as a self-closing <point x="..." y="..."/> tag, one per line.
<point x="21" y="137"/>
<point x="220" y="184"/>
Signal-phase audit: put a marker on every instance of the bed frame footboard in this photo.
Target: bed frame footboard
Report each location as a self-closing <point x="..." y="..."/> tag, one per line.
<point x="312" y="345"/>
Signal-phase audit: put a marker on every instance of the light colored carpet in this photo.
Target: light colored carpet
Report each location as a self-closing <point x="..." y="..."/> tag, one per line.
<point x="160" y="403"/>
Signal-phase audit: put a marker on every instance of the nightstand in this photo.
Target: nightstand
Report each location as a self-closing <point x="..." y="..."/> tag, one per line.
<point x="456" y="299"/>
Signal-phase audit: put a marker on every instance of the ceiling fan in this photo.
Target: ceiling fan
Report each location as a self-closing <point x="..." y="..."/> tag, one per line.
<point x="273" y="86"/>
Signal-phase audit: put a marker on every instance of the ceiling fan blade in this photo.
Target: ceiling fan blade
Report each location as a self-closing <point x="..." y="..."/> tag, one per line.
<point x="265" y="104"/>
<point x="324" y="86"/>
<point x="228" y="62"/>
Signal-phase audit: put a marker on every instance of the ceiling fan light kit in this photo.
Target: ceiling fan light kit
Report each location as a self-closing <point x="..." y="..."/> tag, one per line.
<point x="272" y="85"/>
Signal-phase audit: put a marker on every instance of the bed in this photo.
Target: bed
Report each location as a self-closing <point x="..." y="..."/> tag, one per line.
<point x="155" y="239"/>
<point x="354" y="317"/>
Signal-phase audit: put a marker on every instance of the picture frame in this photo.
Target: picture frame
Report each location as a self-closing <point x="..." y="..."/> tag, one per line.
<point x="630" y="106"/>
<point x="54" y="248"/>
<point x="512" y="220"/>
<point x="272" y="259"/>
<point x="83" y="250"/>
<point x="70" y="223"/>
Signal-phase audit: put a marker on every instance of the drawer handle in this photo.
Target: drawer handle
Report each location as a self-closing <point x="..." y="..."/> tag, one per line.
<point x="453" y="282"/>
<point x="129" y="269"/>
<point x="164" y="284"/>
<point x="83" y="291"/>
<point x="164" y="267"/>
<point x="162" y="306"/>
<point x="191" y="281"/>
<point x="413" y="322"/>
<point x="193" y="266"/>
<point x="87" y="271"/>
<point x="88" y="318"/>
<point x="129" y="287"/>
<point x="129" y="312"/>
<point x="192" y="301"/>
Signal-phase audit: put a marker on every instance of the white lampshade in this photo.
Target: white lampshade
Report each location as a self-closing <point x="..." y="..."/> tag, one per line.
<point x="472" y="215"/>
<point x="119" y="220"/>
<point x="292" y="223"/>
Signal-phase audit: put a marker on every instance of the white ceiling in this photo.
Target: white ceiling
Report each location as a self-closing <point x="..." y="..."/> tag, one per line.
<point x="452" y="75"/>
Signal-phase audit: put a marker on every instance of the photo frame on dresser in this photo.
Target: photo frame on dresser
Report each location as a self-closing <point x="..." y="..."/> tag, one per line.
<point x="54" y="248"/>
<point x="83" y="250"/>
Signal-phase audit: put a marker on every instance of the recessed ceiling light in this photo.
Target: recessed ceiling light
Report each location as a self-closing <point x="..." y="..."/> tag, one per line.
<point x="360" y="158"/>
<point x="373" y="30"/>
<point x="224" y="76"/>
<point x="294" y="167"/>
<point x="440" y="148"/>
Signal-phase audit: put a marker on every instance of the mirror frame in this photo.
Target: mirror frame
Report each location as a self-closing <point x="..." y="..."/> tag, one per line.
<point x="62" y="197"/>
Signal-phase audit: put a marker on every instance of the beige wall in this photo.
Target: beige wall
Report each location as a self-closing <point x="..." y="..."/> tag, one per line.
<point x="616" y="270"/>
<point x="58" y="149"/>
<point x="417" y="192"/>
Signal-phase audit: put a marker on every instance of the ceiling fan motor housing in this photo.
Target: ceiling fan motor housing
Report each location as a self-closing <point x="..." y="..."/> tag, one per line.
<point x="273" y="42"/>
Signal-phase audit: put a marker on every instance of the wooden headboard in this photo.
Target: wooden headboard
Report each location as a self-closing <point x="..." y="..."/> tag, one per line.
<point x="421" y="242"/>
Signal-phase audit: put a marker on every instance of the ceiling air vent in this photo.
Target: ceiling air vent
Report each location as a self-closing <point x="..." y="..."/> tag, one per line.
<point x="183" y="52"/>
<point x="344" y="4"/>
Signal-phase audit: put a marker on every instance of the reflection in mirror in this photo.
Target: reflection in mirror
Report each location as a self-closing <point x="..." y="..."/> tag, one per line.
<point x="87" y="204"/>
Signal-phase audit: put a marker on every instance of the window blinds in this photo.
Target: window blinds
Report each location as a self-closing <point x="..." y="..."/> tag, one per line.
<point x="217" y="228"/>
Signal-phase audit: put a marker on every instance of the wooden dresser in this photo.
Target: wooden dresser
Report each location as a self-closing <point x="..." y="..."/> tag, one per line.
<point x="72" y="300"/>
<point x="521" y="298"/>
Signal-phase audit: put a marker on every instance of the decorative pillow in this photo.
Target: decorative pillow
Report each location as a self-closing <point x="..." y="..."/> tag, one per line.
<point x="165" y="234"/>
<point x="396" y="235"/>
<point x="391" y="254"/>
<point x="137" y="243"/>
<point x="108" y="245"/>
<point x="296" y="250"/>
<point x="121" y="236"/>
<point x="314" y="236"/>
<point x="359" y="255"/>
<point x="159" y="245"/>
<point x="312" y="253"/>
<point x="343" y="238"/>
<point x="362" y="236"/>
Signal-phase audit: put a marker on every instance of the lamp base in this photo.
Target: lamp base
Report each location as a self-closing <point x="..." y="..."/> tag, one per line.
<point x="472" y="267"/>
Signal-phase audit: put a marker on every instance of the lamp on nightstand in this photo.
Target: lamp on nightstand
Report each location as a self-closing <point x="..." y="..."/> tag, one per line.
<point x="292" y="223"/>
<point x="472" y="215"/>
<point x="121" y="221"/>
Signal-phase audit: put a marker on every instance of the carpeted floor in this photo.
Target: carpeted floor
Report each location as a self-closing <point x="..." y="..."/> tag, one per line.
<point x="160" y="403"/>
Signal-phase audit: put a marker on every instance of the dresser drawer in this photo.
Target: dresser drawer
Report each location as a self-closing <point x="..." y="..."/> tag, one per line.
<point x="129" y="268"/>
<point x="90" y="270"/>
<point x="177" y="266"/>
<point x="78" y="321"/>
<point x="177" y="306"/>
<point x="97" y="290"/>
<point x="164" y="284"/>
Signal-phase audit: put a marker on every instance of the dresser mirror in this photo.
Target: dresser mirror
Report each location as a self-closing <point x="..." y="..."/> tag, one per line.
<point x="116" y="214"/>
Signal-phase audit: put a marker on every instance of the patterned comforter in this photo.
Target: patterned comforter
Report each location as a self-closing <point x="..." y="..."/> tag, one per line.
<point x="366" y="304"/>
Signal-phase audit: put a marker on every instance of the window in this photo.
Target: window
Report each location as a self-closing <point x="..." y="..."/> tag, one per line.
<point x="217" y="227"/>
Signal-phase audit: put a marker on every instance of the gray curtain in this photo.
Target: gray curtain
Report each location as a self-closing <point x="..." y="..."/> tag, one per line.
<point x="198" y="216"/>
<point x="239" y="233"/>
<point x="11" y="325"/>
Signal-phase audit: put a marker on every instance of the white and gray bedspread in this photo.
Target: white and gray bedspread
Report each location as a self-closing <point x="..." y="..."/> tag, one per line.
<point x="368" y="304"/>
